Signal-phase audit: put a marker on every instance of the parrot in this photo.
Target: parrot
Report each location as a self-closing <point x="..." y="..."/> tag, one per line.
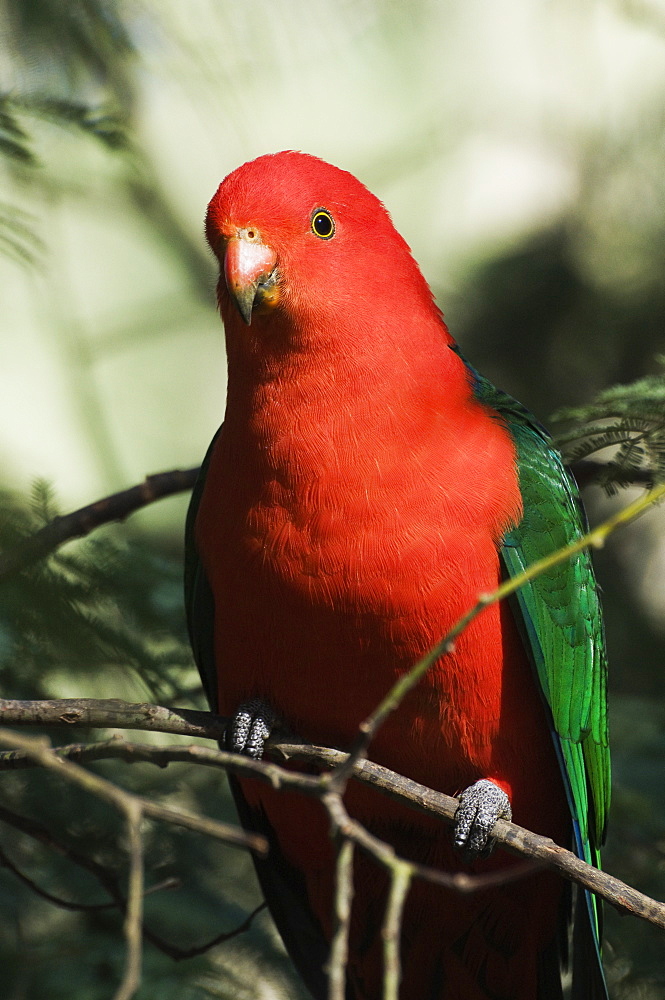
<point x="367" y="484"/>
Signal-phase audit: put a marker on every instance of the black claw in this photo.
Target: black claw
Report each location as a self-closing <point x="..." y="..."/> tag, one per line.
<point x="481" y="805"/>
<point x="249" y="729"/>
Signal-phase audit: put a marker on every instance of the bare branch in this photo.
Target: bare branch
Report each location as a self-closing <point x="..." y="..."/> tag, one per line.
<point x="400" y="883"/>
<point x="97" y="713"/>
<point x="180" y="953"/>
<point x="31" y="828"/>
<point x="115" y="507"/>
<point x="339" y="945"/>
<point x="63" y="904"/>
<point x="133" y="928"/>
<point x="134" y="808"/>
<point x="68" y="904"/>
<point x="109" y="881"/>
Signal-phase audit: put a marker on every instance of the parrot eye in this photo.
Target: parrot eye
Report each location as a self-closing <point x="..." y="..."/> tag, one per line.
<point x="323" y="224"/>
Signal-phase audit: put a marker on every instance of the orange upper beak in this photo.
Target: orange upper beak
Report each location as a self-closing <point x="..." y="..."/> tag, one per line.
<point x="249" y="271"/>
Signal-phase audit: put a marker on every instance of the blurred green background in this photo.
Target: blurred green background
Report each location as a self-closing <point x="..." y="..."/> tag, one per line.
<point x="519" y="148"/>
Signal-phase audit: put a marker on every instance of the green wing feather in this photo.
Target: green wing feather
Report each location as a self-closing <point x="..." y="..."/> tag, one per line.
<point x="560" y="617"/>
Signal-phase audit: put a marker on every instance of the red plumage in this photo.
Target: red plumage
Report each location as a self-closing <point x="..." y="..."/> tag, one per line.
<point x="352" y="511"/>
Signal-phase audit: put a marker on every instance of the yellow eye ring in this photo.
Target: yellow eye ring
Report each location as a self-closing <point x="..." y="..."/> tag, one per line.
<point x="323" y="224"/>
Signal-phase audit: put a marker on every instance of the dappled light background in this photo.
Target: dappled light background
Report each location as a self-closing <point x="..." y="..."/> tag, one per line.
<point x="519" y="148"/>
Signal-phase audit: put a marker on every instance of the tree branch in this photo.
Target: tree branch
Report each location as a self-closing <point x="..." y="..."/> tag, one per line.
<point x="133" y="927"/>
<point x="339" y="945"/>
<point x="391" y="931"/>
<point x="180" y="953"/>
<point x="79" y="523"/>
<point x="134" y="808"/>
<point x="106" y="878"/>
<point x="63" y="904"/>
<point x="96" y="713"/>
<point x="120" y="715"/>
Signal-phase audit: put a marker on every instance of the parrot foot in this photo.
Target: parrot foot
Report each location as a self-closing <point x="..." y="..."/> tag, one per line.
<point x="481" y="805"/>
<point x="249" y="728"/>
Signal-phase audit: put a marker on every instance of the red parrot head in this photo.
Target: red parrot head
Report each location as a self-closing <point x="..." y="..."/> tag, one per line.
<point x="299" y="240"/>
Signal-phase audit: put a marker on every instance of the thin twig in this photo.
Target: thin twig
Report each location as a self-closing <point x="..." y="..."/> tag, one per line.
<point x="134" y="808"/>
<point x="400" y="883"/>
<point x="181" y="953"/>
<point x="134" y="912"/>
<point x="68" y="904"/>
<point x="37" y="831"/>
<point x="339" y="945"/>
<point x="63" y="904"/>
<point x="109" y="882"/>
<point x="467" y="884"/>
<point x="42" y="753"/>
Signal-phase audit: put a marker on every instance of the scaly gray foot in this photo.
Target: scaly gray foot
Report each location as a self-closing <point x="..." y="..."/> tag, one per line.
<point x="481" y="805"/>
<point x="249" y="728"/>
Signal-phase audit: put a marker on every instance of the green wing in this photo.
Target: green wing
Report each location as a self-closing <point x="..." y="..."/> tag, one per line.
<point x="560" y="618"/>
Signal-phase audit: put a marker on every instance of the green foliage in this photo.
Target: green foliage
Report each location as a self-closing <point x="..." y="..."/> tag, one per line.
<point x="18" y="239"/>
<point x="80" y="39"/>
<point x="17" y="138"/>
<point x="108" y="605"/>
<point x="630" y="419"/>
<point x="69" y="61"/>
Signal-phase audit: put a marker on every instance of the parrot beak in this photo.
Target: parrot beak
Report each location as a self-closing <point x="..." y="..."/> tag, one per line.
<point x="250" y="272"/>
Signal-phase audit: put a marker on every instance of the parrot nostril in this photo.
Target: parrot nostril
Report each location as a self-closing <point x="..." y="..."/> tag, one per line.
<point x="250" y="234"/>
